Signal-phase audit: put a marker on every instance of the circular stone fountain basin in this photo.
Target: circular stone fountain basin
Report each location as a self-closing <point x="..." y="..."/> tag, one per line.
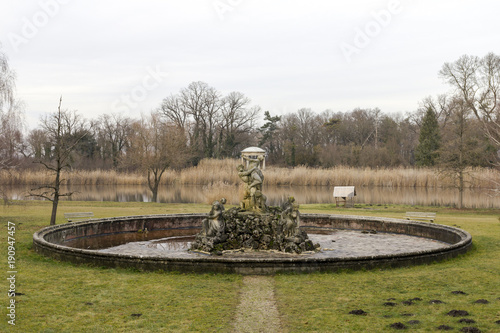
<point x="161" y="242"/>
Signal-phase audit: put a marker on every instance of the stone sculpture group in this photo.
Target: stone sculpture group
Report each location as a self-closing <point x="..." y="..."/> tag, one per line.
<point x="253" y="225"/>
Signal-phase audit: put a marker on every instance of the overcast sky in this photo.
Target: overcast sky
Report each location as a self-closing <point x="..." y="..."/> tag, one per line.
<point x="113" y="56"/>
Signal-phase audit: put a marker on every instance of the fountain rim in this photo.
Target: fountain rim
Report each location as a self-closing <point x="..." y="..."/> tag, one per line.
<point x="59" y="251"/>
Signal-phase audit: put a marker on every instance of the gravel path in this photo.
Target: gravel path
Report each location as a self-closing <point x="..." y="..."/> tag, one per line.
<point x="257" y="311"/>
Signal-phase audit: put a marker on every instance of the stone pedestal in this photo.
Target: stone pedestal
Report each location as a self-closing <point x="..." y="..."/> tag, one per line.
<point x="256" y="231"/>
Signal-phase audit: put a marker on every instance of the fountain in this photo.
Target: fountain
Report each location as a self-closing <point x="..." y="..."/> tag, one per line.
<point x="253" y="225"/>
<point x="252" y="238"/>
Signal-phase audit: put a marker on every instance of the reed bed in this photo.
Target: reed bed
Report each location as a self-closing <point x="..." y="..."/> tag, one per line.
<point x="221" y="173"/>
<point x="218" y="190"/>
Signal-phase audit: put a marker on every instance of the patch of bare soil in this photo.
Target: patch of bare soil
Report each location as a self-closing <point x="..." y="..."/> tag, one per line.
<point x="470" y="330"/>
<point x="458" y="313"/>
<point x="358" y="312"/>
<point x="444" y="328"/>
<point x="398" y="326"/>
<point x="467" y="321"/>
<point x="257" y="311"/>
<point x="436" y="301"/>
<point x="481" y="301"/>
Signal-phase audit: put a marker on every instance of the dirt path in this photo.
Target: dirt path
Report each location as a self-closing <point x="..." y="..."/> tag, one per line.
<point x="257" y="311"/>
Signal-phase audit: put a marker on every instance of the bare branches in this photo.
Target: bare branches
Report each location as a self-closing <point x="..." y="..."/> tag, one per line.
<point x="47" y="192"/>
<point x="7" y="82"/>
<point x="155" y="146"/>
<point x="11" y="123"/>
<point x="215" y="125"/>
<point x="63" y="131"/>
<point x="114" y="131"/>
<point x="477" y="81"/>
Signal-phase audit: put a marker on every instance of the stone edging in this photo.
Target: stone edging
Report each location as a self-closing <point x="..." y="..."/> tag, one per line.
<point x="48" y="241"/>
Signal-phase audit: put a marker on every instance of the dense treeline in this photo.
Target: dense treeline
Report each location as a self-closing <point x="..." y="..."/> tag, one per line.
<point x="200" y="122"/>
<point x="356" y="138"/>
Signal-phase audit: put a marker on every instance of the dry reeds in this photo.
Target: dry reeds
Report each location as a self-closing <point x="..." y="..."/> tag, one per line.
<point x="219" y="190"/>
<point x="222" y="173"/>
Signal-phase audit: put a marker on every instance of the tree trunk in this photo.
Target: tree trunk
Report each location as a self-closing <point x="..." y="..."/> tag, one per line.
<point x="154" y="183"/>
<point x="155" y="193"/>
<point x="460" y="189"/>
<point x="55" y="202"/>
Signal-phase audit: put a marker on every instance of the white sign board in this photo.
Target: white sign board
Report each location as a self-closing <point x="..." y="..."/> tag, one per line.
<point x="344" y="192"/>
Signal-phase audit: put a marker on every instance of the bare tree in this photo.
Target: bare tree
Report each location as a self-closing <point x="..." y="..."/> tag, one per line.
<point x="461" y="148"/>
<point x="11" y="136"/>
<point x="64" y="130"/>
<point x="301" y="135"/>
<point x="114" y="131"/>
<point x="213" y="124"/>
<point x="238" y="121"/>
<point x="11" y="122"/>
<point x="155" y="146"/>
<point x="175" y="110"/>
<point x="37" y="143"/>
<point x="7" y="82"/>
<point x="210" y="120"/>
<point x="441" y="107"/>
<point x="188" y="110"/>
<point x="477" y="81"/>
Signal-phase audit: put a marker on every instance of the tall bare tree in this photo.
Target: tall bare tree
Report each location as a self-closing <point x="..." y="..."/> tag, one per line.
<point x="64" y="130"/>
<point x="214" y="124"/>
<point x="237" y="124"/>
<point x="477" y="81"/>
<point x="114" y="131"/>
<point x="461" y="148"/>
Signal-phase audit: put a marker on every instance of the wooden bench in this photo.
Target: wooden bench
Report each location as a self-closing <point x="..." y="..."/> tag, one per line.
<point x="344" y="193"/>
<point x="420" y="216"/>
<point x="71" y="217"/>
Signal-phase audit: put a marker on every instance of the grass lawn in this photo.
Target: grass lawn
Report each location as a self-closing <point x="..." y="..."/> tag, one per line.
<point x="322" y="302"/>
<point x="61" y="297"/>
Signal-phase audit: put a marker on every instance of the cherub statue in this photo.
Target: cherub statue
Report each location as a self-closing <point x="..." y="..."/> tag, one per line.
<point x="290" y="217"/>
<point x="214" y="224"/>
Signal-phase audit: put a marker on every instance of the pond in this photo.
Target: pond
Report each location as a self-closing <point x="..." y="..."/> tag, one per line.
<point x="473" y="198"/>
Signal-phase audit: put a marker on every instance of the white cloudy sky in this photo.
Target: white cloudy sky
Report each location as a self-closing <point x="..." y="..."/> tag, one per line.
<point x="282" y="54"/>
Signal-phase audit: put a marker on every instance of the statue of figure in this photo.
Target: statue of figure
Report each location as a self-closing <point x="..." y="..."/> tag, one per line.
<point x="290" y="217"/>
<point x="253" y="197"/>
<point x="255" y="172"/>
<point x="214" y="224"/>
